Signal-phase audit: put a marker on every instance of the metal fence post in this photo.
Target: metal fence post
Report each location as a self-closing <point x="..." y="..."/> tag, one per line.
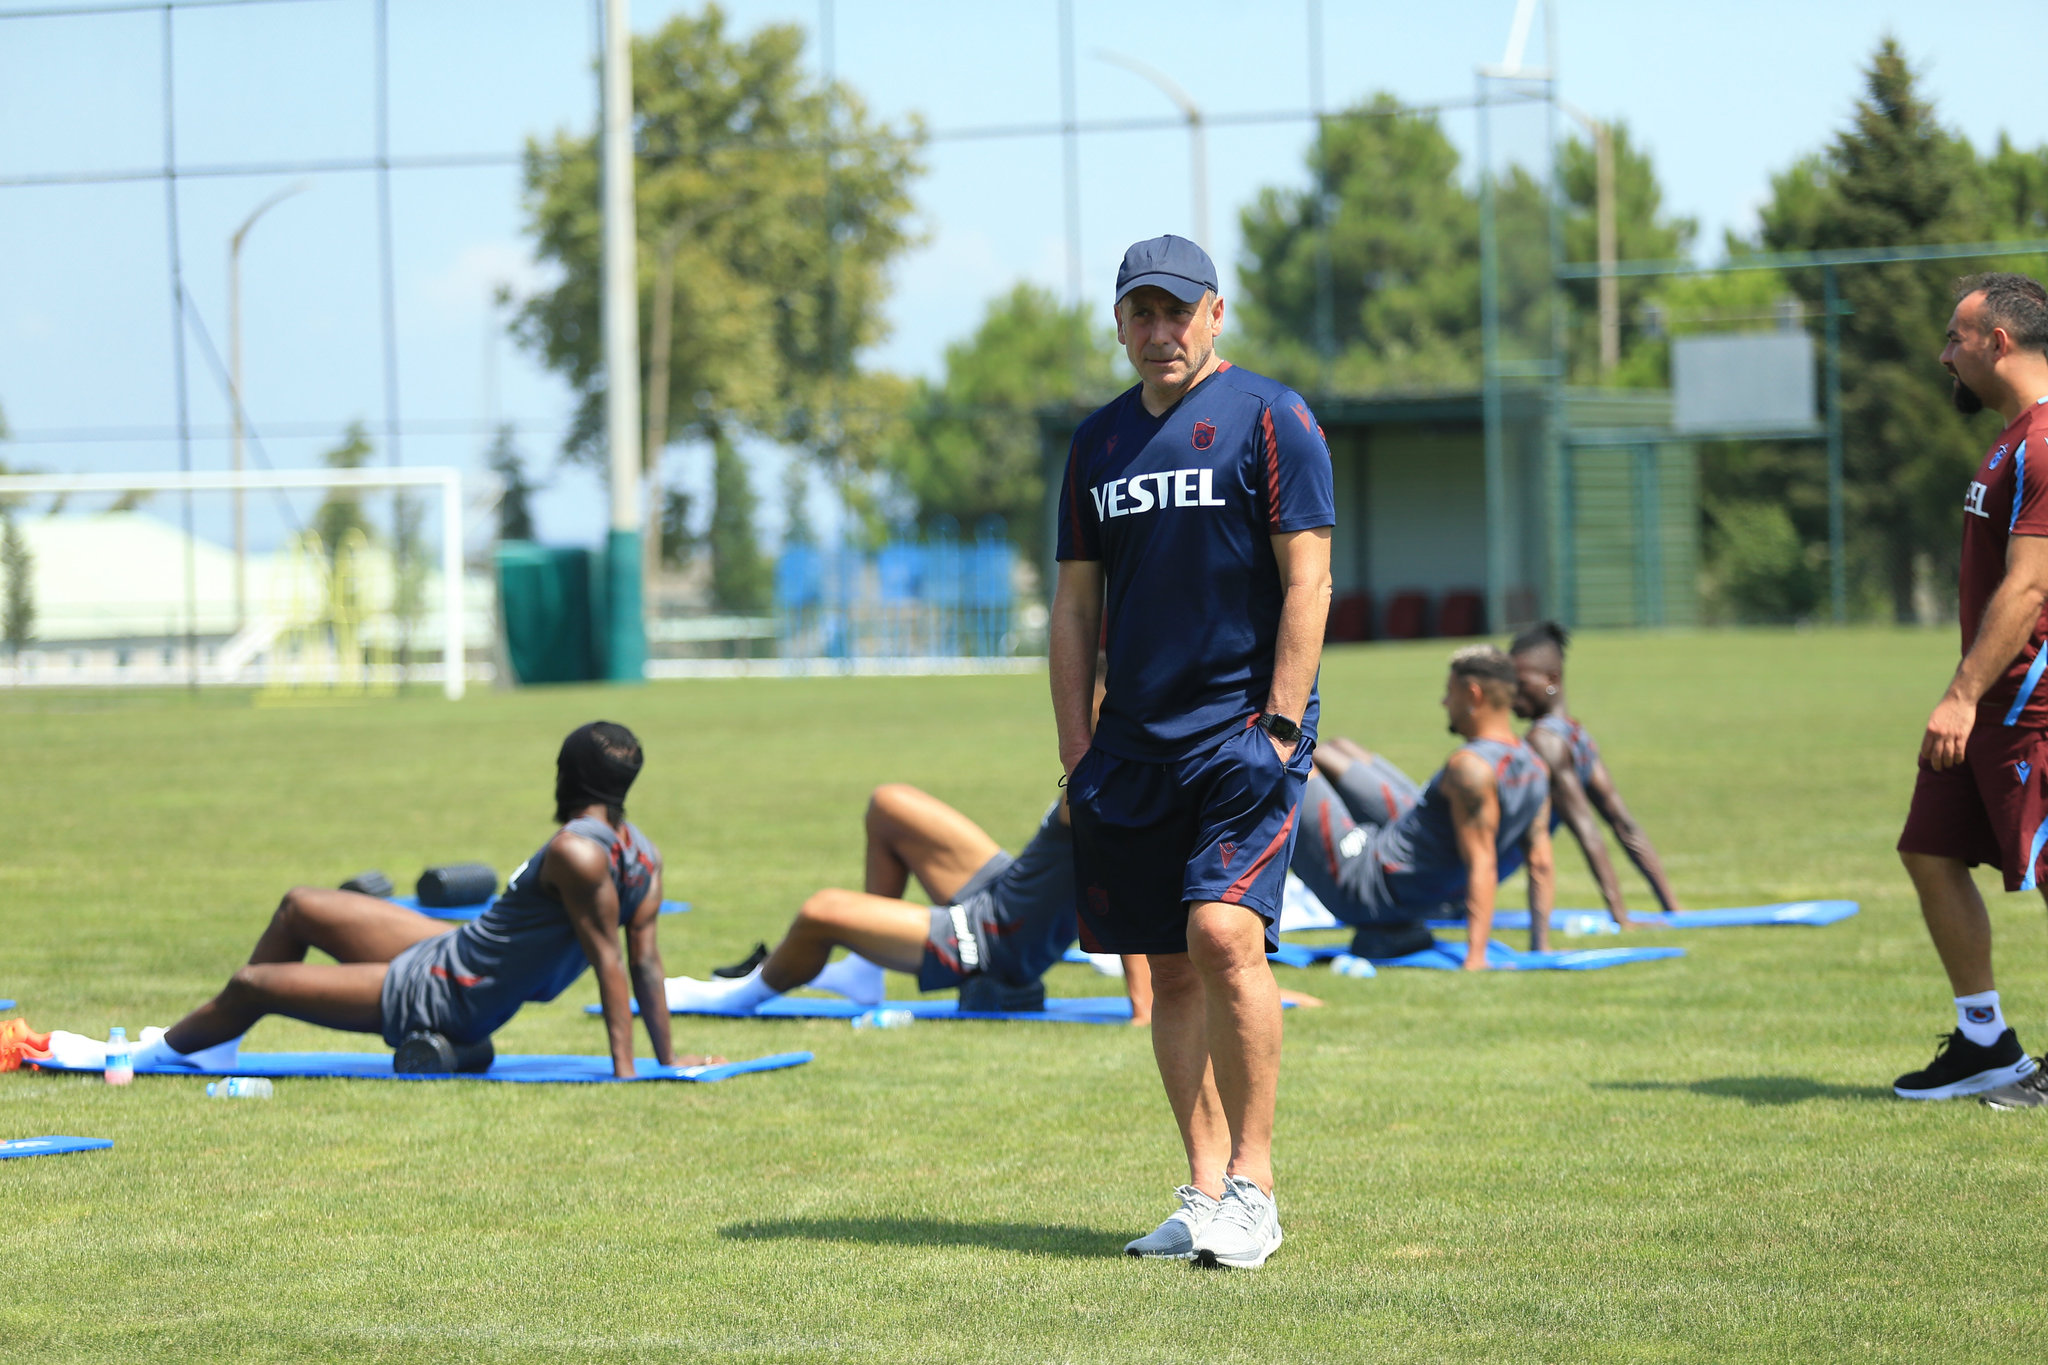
<point x="1838" y="569"/>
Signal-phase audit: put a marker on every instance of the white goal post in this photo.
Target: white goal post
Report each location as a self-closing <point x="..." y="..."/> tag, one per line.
<point x="447" y="480"/>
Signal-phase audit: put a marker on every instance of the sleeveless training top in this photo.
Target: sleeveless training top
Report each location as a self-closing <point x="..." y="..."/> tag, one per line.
<point x="1585" y="753"/>
<point x="1418" y="853"/>
<point x="522" y="948"/>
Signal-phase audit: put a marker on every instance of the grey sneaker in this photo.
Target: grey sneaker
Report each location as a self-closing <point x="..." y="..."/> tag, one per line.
<point x="1245" y="1230"/>
<point x="2028" y="1092"/>
<point x="1174" y="1239"/>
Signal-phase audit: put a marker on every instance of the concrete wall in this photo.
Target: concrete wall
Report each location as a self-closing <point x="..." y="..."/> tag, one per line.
<point x="1424" y="511"/>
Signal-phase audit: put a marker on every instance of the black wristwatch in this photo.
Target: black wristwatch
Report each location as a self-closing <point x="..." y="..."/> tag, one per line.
<point x="1280" y="728"/>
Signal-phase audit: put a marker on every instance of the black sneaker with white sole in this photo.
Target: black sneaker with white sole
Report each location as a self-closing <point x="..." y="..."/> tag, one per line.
<point x="2028" y="1092"/>
<point x="1961" y="1067"/>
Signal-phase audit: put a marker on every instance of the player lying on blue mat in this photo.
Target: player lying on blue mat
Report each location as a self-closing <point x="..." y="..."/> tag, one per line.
<point x="1580" y="785"/>
<point x="992" y="917"/>
<point x="422" y="983"/>
<point x="1383" y="856"/>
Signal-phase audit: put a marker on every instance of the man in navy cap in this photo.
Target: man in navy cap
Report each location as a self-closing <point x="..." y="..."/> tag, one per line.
<point x="1194" y="540"/>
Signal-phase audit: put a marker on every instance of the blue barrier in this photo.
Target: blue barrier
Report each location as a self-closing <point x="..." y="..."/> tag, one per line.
<point x="939" y="597"/>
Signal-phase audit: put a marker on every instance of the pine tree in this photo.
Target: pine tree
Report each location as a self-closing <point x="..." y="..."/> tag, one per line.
<point x="741" y="577"/>
<point x="1894" y="177"/>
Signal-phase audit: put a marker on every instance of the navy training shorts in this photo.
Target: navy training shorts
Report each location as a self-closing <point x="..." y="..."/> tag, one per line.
<point x="964" y="939"/>
<point x="1152" y="838"/>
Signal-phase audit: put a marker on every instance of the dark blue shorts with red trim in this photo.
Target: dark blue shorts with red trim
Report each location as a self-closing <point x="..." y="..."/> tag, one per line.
<point x="1152" y="838"/>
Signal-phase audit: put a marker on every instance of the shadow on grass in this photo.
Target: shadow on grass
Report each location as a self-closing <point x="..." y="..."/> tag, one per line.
<point x="1760" y="1090"/>
<point x="1036" y="1238"/>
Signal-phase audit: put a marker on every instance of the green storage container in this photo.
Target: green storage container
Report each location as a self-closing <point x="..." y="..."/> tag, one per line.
<point x="547" y="595"/>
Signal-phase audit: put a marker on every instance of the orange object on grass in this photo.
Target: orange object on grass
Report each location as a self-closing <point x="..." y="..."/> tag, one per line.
<point x="18" y="1044"/>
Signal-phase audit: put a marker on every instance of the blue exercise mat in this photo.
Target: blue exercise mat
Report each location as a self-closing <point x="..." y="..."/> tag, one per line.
<point x="1499" y="956"/>
<point x="1081" y="959"/>
<point x="51" y="1146"/>
<point x="1087" y="1009"/>
<point x="1785" y="912"/>
<point x="528" y="1068"/>
<point x="6" y="1004"/>
<point x="467" y="912"/>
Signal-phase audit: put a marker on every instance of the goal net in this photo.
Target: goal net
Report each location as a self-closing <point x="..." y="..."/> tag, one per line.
<point x="116" y="593"/>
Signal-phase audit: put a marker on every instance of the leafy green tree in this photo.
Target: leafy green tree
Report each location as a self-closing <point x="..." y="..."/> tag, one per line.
<point x="969" y="445"/>
<point x="1895" y="175"/>
<point x="17" y="569"/>
<point x="515" y="503"/>
<point x="2016" y="190"/>
<point x="1404" y="256"/>
<point x="780" y="203"/>
<point x="408" y="568"/>
<point x="18" y="605"/>
<point x="341" y="511"/>
<point x="796" y="512"/>
<point x="678" y="541"/>
<point x="1762" y="567"/>
<point x="1404" y="259"/>
<point x="1642" y="231"/>
<point x="742" y="579"/>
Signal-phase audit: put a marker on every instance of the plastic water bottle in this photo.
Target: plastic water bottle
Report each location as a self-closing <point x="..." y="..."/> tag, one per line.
<point x="239" y="1088"/>
<point x="120" y="1057"/>
<point x="1583" y="923"/>
<point x="1345" y="964"/>
<point x="884" y="1018"/>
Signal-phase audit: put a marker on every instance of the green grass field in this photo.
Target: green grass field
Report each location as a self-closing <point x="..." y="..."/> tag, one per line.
<point x="1688" y="1160"/>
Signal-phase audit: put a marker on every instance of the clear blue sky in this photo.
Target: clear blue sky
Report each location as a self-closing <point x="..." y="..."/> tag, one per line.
<point x="1721" y="95"/>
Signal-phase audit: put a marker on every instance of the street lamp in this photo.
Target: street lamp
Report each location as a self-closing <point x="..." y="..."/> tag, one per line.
<point x="1602" y="133"/>
<point x="235" y="388"/>
<point x="1197" y="146"/>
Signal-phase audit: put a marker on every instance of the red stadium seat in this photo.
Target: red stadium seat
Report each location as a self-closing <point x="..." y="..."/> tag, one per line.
<point x="1407" y="616"/>
<point x="1461" y="613"/>
<point x="1350" y="618"/>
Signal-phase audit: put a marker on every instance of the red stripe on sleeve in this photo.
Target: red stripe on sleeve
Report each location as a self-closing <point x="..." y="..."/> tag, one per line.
<point x="1074" y="492"/>
<point x="1272" y="467"/>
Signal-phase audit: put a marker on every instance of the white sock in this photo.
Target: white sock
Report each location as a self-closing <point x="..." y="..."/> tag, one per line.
<point x="75" y="1049"/>
<point x="736" y="997"/>
<point x="155" y="1051"/>
<point x="854" y="977"/>
<point x="1109" y="964"/>
<point x="1980" y="1018"/>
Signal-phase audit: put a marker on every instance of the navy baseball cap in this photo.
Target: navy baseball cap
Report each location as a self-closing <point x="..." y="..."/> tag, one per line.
<point x="1174" y="264"/>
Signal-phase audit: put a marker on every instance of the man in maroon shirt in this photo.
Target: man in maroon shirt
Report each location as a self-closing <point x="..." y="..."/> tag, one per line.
<point x="1982" y="793"/>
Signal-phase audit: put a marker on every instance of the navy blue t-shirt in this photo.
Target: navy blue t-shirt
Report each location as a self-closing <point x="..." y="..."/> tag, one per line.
<point x="1181" y="510"/>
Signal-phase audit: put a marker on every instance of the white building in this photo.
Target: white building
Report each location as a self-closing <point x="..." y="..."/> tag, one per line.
<point x="112" y="603"/>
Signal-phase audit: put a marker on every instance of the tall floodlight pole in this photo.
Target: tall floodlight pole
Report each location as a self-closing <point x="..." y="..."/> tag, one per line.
<point x="625" y="632"/>
<point x="1511" y="68"/>
<point x="235" y="391"/>
<point x="1838" y="557"/>
<point x="1326" y="323"/>
<point x="1070" y="176"/>
<point x="1198" y="148"/>
<point x="1489" y="371"/>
